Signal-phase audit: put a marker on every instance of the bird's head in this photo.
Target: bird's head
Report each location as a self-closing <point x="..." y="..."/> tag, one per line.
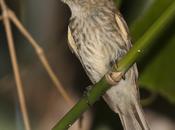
<point x="81" y="3"/>
<point x="78" y="7"/>
<point x="85" y="7"/>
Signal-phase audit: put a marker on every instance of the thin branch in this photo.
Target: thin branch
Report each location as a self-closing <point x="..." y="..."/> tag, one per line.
<point x="42" y="57"/>
<point x="123" y="65"/>
<point x="15" y="65"/>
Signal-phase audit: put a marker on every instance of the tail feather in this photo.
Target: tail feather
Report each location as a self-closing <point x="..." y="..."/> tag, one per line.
<point x="134" y="119"/>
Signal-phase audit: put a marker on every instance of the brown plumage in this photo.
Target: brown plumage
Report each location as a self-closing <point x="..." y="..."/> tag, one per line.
<point x="98" y="35"/>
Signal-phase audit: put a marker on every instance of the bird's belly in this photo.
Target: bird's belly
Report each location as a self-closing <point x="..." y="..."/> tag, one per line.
<point x="122" y="94"/>
<point x="98" y="51"/>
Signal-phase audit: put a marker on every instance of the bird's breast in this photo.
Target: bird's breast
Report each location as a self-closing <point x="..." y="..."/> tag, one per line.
<point x="97" y="46"/>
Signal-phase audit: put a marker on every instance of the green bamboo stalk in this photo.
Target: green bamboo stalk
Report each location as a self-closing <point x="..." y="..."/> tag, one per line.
<point x="146" y="40"/>
<point x="123" y="65"/>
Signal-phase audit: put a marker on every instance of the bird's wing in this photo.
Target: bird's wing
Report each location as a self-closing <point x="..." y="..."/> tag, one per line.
<point x="71" y="42"/>
<point x="124" y="31"/>
<point x="73" y="48"/>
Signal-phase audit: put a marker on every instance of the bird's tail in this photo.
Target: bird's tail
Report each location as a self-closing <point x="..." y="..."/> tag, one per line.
<point x="134" y="119"/>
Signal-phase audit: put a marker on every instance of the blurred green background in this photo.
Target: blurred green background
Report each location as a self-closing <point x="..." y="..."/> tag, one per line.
<point x="47" y="21"/>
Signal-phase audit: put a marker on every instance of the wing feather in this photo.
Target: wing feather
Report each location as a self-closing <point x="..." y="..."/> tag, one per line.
<point x="124" y="32"/>
<point x="73" y="47"/>
<point x="122" y="27"/>
<point x="71" y="42"/>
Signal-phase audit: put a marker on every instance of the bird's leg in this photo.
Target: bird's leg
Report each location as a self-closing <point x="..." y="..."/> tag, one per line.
<point x="113" y="77"/>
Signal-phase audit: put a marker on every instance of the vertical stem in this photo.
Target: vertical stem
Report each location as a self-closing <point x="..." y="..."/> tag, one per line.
<point x="15" y="65"/>
<point x="42" y="58"/>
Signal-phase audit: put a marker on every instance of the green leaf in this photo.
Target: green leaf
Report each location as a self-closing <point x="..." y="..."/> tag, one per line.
<point x="118" y="2"/>
<point x="157" y="67"/>
<point x="132" y="10"/>
<point x="145" y="20"/>
<point x="159" y="75"/>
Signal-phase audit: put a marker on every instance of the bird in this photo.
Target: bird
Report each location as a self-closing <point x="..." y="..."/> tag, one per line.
<point x="99" y="37"/>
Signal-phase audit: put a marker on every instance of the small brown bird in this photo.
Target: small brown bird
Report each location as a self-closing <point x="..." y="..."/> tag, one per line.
<point x="98" y="35"/>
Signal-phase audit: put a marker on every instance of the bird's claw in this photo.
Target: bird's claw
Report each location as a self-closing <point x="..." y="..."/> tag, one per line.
<point x="113" y="77"/>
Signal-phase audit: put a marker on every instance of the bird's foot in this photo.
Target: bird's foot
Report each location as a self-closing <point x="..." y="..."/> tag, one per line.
<point x="113" y="77"/>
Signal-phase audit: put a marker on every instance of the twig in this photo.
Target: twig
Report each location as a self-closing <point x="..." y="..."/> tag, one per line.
<point x="42" y="57"/>
<point x="123" y="65"/>
<point x="15" y="65"/>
